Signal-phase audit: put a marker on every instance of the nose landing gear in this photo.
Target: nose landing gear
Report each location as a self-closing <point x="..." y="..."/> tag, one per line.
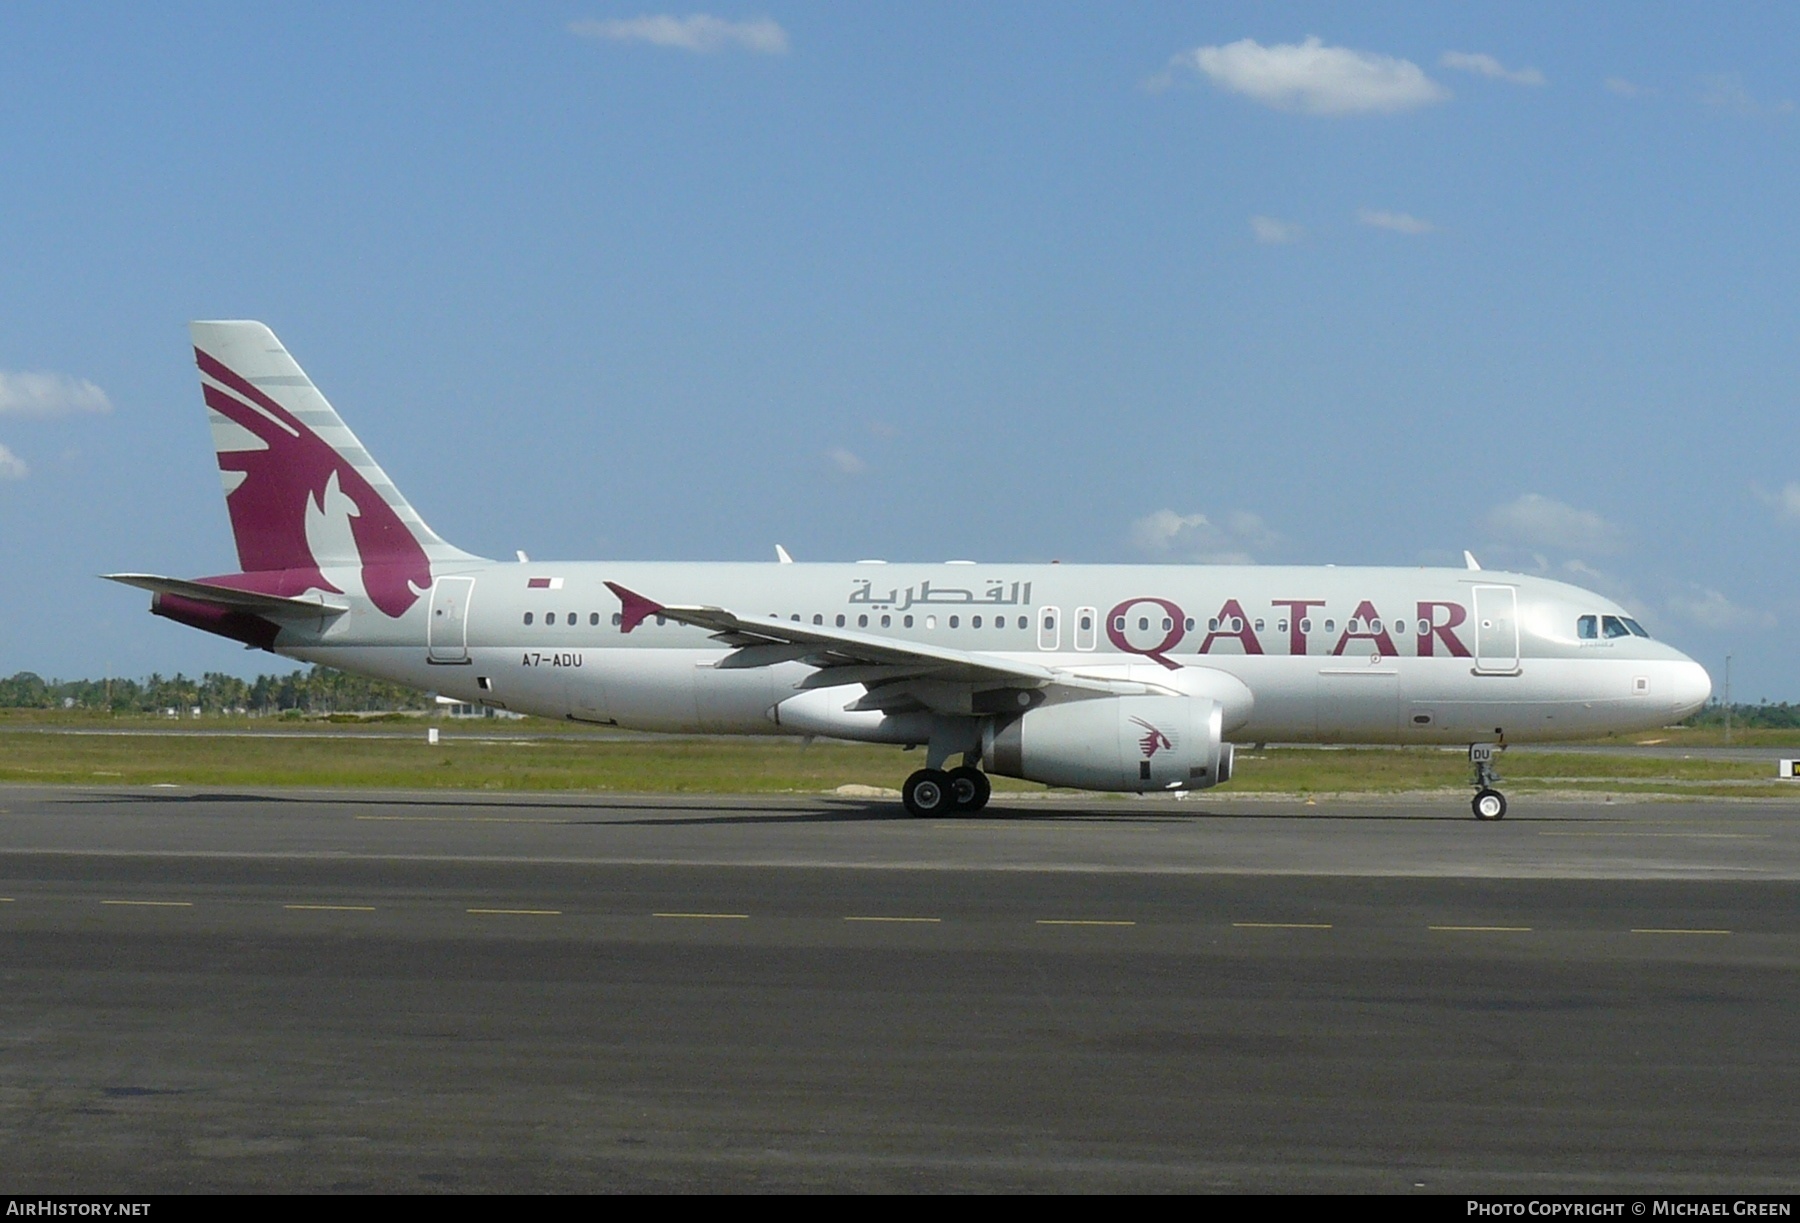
<point x="1489" y="803"/>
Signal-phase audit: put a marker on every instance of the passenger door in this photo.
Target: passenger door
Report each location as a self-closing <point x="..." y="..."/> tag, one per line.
<point x="447" y="629"/>
<point x="1496" y="630"/>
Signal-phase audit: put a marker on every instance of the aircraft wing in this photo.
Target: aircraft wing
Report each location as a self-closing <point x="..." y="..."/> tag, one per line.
<point x="273" y="606"/>
<point x="900" y="675"/>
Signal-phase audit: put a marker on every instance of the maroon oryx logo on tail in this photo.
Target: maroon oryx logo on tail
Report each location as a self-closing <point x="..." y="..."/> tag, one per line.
<point x="1152" y="740"/>
<point x="295" y="470"/>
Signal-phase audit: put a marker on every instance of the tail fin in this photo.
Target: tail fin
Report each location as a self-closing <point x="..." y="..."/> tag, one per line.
<point x="295" y="475"/>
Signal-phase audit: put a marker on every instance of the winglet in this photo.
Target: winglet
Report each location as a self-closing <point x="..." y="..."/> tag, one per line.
<point x="634" y="607"/>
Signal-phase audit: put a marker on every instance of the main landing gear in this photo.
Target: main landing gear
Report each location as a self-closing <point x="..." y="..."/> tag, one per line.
<point x="1489" y="803"/>
<point x="937" y="792"/>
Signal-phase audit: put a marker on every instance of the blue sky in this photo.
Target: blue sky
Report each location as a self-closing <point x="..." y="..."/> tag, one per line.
<point x="1297" y="283"/>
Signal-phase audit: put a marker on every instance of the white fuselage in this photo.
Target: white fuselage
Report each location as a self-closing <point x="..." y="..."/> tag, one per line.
<point x="1293" y="654"/>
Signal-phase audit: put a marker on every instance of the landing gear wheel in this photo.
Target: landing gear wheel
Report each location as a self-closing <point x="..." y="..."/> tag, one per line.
<point x="969" y="788"/>
<point x="927" y="792"/>
<point x="1489" y="805"/>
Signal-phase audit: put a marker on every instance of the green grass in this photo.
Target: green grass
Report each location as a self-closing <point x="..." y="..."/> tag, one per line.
<point x="541" y="755"/>
<point x="1303" y="770"/>
<point x="350" y="760"/>
<point x="1710" y="736"/>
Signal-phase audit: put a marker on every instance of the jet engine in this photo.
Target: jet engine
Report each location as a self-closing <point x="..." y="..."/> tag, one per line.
<point x="1138" y="743"/>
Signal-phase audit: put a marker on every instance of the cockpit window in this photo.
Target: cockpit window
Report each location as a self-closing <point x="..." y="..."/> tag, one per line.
<point x="1592" y="628"/>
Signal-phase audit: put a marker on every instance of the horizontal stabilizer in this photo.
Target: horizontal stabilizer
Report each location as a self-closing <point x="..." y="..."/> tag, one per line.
<point x="273" y="606"/>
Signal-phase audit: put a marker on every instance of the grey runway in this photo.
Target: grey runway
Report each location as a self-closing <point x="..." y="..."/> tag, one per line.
<point x="319" y="991"/>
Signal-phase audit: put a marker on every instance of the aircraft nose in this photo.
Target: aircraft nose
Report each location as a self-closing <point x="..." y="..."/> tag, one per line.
<point x="1691" y="686"/>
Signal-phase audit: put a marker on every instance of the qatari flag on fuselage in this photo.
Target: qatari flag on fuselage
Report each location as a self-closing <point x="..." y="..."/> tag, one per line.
<point x="544" y="584"/>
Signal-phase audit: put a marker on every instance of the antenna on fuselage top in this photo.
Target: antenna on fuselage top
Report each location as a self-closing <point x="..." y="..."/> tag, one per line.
<point x="1469" y="559"/>
<point x="781" y="555"/>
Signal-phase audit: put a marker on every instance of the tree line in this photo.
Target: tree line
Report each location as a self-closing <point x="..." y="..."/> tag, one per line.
<point x="319" y="690"/>
<point x="1782" y="716"/>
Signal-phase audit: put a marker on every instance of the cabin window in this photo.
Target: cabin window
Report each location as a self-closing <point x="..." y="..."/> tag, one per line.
<point x="886" y="621"/>
<point x="1331" y="626"/>
<point x="1306" y="625"/>
<point x="1259" y="626"/>
<point x="1167" y="624"/>
<point x="795" y="617"/>
<point x="818" y="619"/>
<point x="930" y="621"/>
<point x="1118" y="624"/>
<point x="1281" y="626"/>
<point x="955" y="620"/>
<point x="593" y="619"/>
<point x="1025" y="622"/>
<point x="840" y="621"/>
<point x="1143" y="623"/>
<point x="907" y="622"/>
<point x="1237" y="625"/>
<point x="862" y="622"/>
<point x="618" y="619"/>
<point x="1424" y="628"/>
<point x="974" y="621"/>
<point x="1087" y="624"/>
<point x="1212" y="626"/>
<point x="661" y="620"/>
<point x="528" y="617"/>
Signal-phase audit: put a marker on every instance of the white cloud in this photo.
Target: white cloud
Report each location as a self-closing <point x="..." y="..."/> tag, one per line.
<point x="1617" y="587"/>
<point x="1314" y="79"/>
<point x="12" y="467"/>
<point x="1785" y="503"/>
<point x="1727" y="94"/>
<point x="701" y="33"/>
<point x="1626" y="89"/>
<point x="1536" y="521"/>
<point x="1399" y="222"/>
<point x="1710" y="609"/>
<point x="45" y="394"/>
<point x="1488" y="66"/>
<point x="1273" y="232"/>
<point x="844" y="462"/>
<point x="1166" y="535"/>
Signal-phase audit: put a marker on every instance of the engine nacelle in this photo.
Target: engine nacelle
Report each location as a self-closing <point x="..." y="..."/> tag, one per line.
<point x="1138" y="743"/>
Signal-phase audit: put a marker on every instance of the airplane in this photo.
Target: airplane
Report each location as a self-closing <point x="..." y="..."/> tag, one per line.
<point x="1133" y="678"/>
